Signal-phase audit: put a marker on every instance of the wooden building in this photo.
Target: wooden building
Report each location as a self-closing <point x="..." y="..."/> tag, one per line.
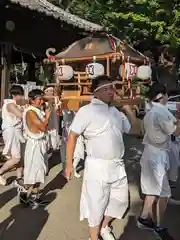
<point x="29" y="27"/>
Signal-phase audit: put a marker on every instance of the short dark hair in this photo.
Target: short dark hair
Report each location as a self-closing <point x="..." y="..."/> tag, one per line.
<point x="35" y="93"/>
<point x="96" y="82"/>
<point x="16" y="90"/>
<point x="155" y="89"/>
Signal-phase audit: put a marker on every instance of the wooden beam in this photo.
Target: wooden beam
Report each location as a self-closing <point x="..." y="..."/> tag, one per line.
<point x="68" y="60"/>
<point x="108" y="66"/>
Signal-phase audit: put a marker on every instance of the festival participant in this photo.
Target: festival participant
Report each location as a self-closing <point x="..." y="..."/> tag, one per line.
<point x="79" y="152"/>
<point x="175" y="153"/>
<point x="35" y="122"/>
<point x="105" y="188"/>
<point x="12" y="133"/>
<point x="66" y="123"/>
<point x="52" y="102"/>
<point x="159" y="125"/>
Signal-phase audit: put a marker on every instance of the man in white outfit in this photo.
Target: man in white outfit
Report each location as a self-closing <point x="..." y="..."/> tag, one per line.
<point x="35" y="122"/>
<point x="105" y="188"/>
<point x="79" y="151"/>
<point x="52" y="102"/>
<point x="12" y="133"/>
<point x="159" y="125"/>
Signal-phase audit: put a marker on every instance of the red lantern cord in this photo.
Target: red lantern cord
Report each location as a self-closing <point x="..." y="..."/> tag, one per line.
<point x="111" y="41"/>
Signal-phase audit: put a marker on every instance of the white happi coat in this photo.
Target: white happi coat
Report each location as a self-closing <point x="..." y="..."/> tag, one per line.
<point x="105" y="188"/>
<point x="35" y="151"/>
<point x="11" y="131"/>
<point x="173" y="150"/>
<point x="155" y="164"/>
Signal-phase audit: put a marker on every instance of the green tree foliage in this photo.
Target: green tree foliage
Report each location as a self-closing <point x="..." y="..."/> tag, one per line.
<point x="134" y="20"/>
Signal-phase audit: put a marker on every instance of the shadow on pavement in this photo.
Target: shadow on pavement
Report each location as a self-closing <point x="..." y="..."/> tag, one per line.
<point x="132" y="232"/>
<point x="25" y="223"/>
<point x="55" y="159"/>
<point x="57" y="183"/>
<point x="10" y="180"/>
<point x="7" y="196"/>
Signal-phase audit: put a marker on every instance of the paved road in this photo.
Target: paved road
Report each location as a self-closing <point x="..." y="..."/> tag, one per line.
<point x="60" y="219"/>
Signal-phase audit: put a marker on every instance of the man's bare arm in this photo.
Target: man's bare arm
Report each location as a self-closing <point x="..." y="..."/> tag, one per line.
<point x="130" y="115"/>
<point x="71" y="144"/>
<point x="12" y="108"/>
<point x="177" y="131"/>
<point x="33" y="119"/>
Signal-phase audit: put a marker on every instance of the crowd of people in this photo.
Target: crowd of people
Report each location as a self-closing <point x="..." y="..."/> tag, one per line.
<point x="94" y="133"/>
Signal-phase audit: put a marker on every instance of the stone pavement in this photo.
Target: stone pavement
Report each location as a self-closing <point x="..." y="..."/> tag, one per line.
<point x="60" y="219"/>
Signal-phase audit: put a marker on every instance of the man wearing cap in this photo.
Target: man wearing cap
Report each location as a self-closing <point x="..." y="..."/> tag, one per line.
<point x="105" y="189"/>
<point x="159" y="125"/>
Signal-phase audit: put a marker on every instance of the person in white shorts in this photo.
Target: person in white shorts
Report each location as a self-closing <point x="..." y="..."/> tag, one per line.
<point x="35" y="122"/>
<point x="68" y="116"/>
<point x="79" y="152"/>
<point x="105" y="188"/>
<point x="159" y="125"/>
<point x="175" y="155"/>
<point x="12" y="133"/>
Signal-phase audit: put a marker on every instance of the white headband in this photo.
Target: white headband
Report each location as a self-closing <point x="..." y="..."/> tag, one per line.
<point x="160" y="95"/>
<point x="104" y="85"/>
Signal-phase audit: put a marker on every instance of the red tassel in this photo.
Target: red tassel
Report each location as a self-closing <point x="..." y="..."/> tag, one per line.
<point x="111" y="41"/>
<point x="52" y="58"/>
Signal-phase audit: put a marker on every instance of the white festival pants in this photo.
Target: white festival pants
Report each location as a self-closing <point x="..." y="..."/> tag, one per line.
<point x="154" y="172"/>
<point x="35" y="161"/>
<point x="104" y="190"/>
<point x="12" y="142"/>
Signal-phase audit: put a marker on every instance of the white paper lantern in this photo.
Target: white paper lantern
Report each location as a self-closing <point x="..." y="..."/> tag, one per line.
<point x="94" y="69"/>
<point x="130" y="70"/>
<point x="144" y="72"/>
<point x="64" y="72"/>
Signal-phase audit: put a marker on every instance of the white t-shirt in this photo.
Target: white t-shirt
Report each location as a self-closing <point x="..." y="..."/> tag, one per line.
<point x="9" y="119"/>
<point x="102" y="127"/>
